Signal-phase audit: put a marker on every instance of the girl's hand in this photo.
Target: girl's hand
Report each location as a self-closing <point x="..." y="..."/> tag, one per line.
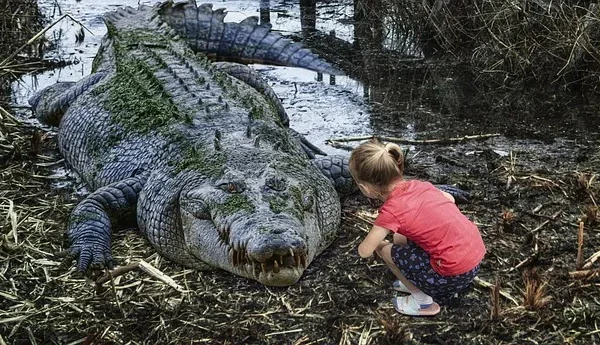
<point x="372" y="241"/>
<point x="381" y="245"/>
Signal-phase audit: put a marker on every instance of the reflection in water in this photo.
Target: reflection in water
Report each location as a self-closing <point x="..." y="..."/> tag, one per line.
<point x="19" y="21"/>
<point x="308" y="17"/>
<point x="265" y="11"/>
<point x="393" y="55"/>
<point x="317" y="110"/>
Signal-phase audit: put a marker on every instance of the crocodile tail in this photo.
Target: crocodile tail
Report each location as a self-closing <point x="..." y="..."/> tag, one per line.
<point x="246" y="41"/>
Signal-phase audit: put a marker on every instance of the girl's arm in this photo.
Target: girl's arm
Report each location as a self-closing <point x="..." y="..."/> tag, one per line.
<point x="372" y="241"/>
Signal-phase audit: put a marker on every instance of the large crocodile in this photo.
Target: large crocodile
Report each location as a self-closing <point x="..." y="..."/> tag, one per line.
<point x="198" y="155"/>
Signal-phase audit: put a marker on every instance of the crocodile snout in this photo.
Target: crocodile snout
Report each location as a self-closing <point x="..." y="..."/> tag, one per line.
<point x="275" y="253"/>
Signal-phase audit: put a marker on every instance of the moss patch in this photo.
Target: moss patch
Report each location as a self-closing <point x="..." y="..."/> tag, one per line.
<point x="135" y="97"/>
<point x="234" y="203"/>
<point x="278" y="204"/>
<point x="298" y="209"/>
<point x="213" y="165"/>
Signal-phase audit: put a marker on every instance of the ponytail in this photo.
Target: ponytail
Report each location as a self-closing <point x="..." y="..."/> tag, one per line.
<point x="377" y="163"/>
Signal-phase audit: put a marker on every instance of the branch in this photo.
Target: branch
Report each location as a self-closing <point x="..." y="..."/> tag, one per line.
<point x="336" y="142"/>
<point x="38" y="35"/>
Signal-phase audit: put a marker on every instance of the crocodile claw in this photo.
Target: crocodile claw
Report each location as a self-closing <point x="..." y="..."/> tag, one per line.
<point x="91" y="256"/>
<point x="460" y="196"/>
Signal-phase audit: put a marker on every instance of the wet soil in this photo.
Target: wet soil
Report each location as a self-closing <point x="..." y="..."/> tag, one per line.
<point x="532" y="188"/>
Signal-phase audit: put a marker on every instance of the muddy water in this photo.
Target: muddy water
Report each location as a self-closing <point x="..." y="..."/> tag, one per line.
<point x="376" y="99"/>
<point x="316" y="108"/>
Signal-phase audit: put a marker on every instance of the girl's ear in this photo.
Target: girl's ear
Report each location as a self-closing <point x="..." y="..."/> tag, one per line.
<point x="366" y="189"/>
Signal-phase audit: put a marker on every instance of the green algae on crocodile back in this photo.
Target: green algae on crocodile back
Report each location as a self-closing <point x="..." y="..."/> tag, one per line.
<point x="199" y="154"/>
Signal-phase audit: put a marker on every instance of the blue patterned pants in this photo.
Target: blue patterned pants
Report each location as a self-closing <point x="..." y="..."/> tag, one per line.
<point x="414" y="264"/>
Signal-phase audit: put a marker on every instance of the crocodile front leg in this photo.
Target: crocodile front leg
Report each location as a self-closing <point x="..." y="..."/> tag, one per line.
<point x="91" y="221"/>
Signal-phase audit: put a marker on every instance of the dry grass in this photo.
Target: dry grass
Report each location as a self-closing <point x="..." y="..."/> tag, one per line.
<point x="510" y="44"/>
<point x="341" y="299"/>
<point x="535" y="295"/>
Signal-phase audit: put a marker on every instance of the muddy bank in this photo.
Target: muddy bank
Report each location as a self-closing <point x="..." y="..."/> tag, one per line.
<point x="528" y="205"/>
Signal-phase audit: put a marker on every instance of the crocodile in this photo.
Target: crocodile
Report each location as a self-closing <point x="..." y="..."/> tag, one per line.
<point x="176" y="135"/>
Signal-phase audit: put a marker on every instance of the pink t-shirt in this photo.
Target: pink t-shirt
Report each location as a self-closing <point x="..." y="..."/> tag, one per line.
<point x="419" y="211"/>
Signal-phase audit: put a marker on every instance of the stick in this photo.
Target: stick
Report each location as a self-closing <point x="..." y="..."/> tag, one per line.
<point x="592" y="259"/>
<point x="13" y="220"/>
<point x="114" y="290"/>
<point x="4" y="113"/>
<point x="482" y="283"/>
<point x="546" y="222"/>
<point x="530" y="258"/>
<point x="119" y="271"/>
<point x="144" y="266"/>
<point x="156" y="273"/>
<point x="414" y="142"/>
<point x="580" y="247"/>
<point x="340" y="146"/>
<point x="40" y="34"/>
<point x="585" y="274"/>
<point x="495" y="313"/>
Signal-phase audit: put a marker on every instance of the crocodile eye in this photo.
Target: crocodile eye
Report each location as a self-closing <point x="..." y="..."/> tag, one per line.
<point x="308" y="202"/>
<point x="232" y="187"/>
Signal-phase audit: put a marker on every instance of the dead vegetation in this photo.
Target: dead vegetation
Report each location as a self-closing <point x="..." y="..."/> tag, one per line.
<point x="19" y="21"/>
<point x="342" y="299"/>
<point x="506" y="44"/>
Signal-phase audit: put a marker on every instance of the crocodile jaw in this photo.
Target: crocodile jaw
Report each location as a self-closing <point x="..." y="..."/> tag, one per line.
<point x="247" y="251"/>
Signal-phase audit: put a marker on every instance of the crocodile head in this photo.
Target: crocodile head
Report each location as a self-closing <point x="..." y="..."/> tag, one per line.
<point x="264" y="221"/>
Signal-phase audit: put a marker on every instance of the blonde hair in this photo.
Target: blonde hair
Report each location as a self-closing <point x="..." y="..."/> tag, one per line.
<point x="377" y="163"/>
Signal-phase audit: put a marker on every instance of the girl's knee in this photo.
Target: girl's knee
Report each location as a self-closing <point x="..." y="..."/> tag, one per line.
<point x="385" y="252"/>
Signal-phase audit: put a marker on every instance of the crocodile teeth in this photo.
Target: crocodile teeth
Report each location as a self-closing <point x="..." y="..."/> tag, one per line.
<point x="275" y="267"/>
<point x="297" y="259"/>
<point x="291" y="252"/>
<point x="263" y="267"/>
<point x="303" y="258"/>
<point x="280" y="260"/>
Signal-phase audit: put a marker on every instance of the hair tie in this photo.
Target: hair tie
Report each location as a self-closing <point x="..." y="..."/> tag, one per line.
<point x="395" y="154"/>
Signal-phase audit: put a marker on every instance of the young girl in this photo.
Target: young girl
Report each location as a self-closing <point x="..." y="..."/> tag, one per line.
<point x="436" y="250"/>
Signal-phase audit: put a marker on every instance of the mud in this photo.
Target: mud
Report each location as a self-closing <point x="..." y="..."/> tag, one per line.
<point x="532" y="186"/>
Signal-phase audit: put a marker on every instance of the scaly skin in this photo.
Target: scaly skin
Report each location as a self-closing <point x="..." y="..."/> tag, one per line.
<point x="199" y="155"/>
